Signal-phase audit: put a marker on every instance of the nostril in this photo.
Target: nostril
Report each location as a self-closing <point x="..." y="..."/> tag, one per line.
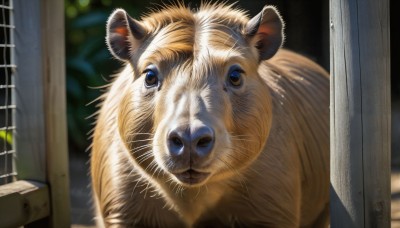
<point x="176" y="141"/>
<point x="205" y="141"/>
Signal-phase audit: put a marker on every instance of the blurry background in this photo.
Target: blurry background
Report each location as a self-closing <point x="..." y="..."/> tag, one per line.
<point x="89" y="65"/>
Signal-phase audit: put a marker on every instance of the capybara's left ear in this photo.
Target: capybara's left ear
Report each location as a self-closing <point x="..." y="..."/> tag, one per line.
<point x="265" y="32"/>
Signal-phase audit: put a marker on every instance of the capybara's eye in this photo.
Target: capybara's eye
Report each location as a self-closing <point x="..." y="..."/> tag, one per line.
<point x="151" y="78"/>
<point x="235" y="76"/>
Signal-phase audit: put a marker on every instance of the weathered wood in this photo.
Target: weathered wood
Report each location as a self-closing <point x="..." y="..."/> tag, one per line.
<point x="22" y="202"/>
<point x="29" y="95"/>
<point x="55" y="110"/>
<point x="360" y="113"/>
<point x="41" y="136"/>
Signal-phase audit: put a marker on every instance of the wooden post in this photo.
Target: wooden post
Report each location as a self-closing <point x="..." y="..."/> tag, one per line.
<point x="41" y="132"/>
<point x="54" y="77"/>
<point x="360" y="113"/>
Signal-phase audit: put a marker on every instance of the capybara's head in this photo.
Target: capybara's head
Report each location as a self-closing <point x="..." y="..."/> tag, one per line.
<point x="195" y="109"/>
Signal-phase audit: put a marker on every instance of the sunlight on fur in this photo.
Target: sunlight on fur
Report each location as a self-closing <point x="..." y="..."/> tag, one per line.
<point x="210" y="123"/>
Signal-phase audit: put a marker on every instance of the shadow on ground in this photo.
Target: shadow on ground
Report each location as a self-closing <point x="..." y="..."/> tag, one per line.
<point x="80" y="196"/>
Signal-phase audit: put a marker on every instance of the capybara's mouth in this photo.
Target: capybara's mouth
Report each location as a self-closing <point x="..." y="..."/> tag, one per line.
<point x="192" y="177"/>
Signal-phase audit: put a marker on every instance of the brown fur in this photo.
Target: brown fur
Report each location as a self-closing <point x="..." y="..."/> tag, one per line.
<point x="271" y="162"/>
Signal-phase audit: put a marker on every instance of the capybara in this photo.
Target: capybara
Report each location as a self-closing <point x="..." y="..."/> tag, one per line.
<point x="210" y="124"/>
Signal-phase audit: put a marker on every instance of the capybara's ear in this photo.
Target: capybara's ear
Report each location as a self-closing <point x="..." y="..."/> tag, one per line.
<point x="265" y="32"/>
<point x="123" y="34"/>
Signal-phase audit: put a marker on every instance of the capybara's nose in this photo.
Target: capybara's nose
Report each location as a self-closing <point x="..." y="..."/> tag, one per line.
<point x="195" y="141"/>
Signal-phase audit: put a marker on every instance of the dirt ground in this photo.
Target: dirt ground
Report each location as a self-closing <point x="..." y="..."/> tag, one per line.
<point x="81" y="210"/>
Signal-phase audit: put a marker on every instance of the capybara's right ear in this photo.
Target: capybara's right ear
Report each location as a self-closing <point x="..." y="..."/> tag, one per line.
<point x="123" y="34"/>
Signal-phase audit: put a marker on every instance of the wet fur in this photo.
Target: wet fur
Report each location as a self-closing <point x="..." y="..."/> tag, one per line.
<point x="275" y="172"/>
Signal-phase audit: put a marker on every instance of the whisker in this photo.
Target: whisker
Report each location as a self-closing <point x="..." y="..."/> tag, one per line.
<point x="140" y="133"/>
<point x="144" y="158"/>
<point x="137" y="182"/>
<point x="137" y="149"/>
<point x="198" y="192"/>
<point x="241" y="138"/>
<point x="152" y="164"/>
<point x="240" y="150"/>
<point x="140" y="140"/>
<point x="242" y="183"/>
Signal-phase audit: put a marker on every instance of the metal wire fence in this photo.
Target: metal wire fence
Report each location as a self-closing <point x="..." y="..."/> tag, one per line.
<point x="7" y="104"/>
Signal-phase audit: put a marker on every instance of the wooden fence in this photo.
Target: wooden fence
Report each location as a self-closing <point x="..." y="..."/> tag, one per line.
<point x="360" y="113"/>
<point x="40" y="197"/>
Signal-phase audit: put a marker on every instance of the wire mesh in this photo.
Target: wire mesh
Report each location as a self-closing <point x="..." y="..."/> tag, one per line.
<point x="7" y="108"/>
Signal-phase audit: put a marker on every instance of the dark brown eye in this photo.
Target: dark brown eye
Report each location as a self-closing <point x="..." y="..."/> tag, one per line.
<point x="151" y="77"/>
<point x="235" y="77"/>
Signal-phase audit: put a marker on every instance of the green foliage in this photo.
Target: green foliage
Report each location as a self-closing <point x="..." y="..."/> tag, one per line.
<point x="88" y="63"/>
<point x="6" y="137"/>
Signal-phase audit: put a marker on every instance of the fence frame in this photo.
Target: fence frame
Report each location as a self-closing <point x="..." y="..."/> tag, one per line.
<point x="41" y="196"/>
